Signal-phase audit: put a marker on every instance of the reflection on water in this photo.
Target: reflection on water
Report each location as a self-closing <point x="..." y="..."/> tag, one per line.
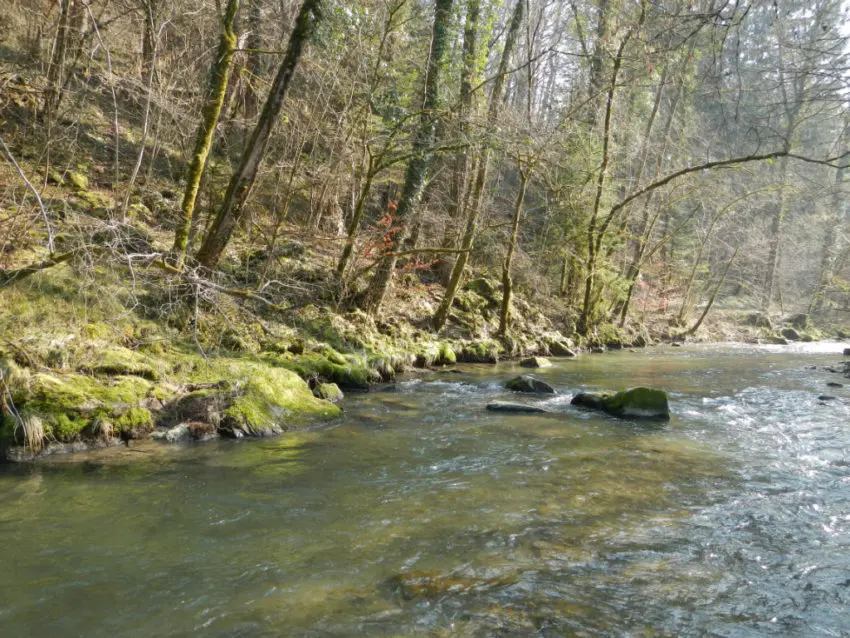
<point x="419" y="513"/>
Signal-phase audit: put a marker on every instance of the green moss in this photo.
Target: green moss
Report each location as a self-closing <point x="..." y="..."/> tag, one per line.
<point x="445" y="355"/>
<point x="66" y="427"/>
<point x="348" y="376"/>
<point x="78" y="180"/>
<point x="134" y="419"/>
<point x="640" y="403"/>
<point x="270" y="400"/>
<point x="122" y="361"/>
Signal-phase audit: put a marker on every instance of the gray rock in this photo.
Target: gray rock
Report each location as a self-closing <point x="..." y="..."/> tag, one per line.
<point x="833" y="384"/>
<point x="525" y="383"/>
<point x="827" y="397"/>
<point x="504" y="406"/>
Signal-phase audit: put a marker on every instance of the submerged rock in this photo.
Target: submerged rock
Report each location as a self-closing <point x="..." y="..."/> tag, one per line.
<point x="525" y="383"/>
<point x="423" y="585"/>
<point x="639" y="403"/>
<point x="506" y="406"/>
<point x="535" y="362"/>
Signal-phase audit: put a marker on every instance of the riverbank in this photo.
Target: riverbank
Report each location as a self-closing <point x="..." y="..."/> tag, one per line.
<point x="112" y="346"/>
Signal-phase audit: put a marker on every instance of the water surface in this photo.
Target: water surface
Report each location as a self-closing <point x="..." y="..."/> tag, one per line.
<point x="421" y="514"/>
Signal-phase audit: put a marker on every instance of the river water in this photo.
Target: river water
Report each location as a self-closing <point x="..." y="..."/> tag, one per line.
<point x="421" y="514"/>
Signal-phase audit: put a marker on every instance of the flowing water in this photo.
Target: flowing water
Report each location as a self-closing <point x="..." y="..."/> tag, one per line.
<point x="421" y="514"/>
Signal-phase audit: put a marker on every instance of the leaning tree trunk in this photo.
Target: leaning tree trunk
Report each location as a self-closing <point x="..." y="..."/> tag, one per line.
<point x="219" y="233"/>
<point x="219" y="76"/>
<point x="442" y="314"/>
<point x="417" y="168"/>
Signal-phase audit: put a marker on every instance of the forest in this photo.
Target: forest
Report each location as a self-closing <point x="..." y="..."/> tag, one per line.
<point x="332" y="192"/>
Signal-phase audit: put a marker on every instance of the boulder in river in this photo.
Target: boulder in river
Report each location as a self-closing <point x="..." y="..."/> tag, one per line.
<point x="639" y="403"/>
<point x="525" y="383"/>
<point x="847" y="352"/>
<point x="506" y="406"/>
<point x="535" y="362"/>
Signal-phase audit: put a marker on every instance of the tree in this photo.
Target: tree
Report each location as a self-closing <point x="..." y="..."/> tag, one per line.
<point x="239" y="188"/>
<point x="416" y="173"/>
<point x="219" y="75"/>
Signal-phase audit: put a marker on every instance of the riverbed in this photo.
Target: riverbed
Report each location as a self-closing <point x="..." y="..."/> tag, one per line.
<point x="419" y="513"/>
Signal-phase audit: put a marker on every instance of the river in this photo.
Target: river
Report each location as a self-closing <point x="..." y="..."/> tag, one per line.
<point x="421" y="514"/>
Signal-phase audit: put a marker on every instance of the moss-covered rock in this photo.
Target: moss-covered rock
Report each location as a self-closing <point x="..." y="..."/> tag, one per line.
<point x="561" y="349"/>
<point x="311" y="365"/>
<point x="328" y="392"/>
<point x="117" y="361"/>
<point x="445" y="355"/>
<point x="72" y="407"/>
<point x="479" y="352"/>
<point x="525" y="383"/>
<point x="639" y="403"/>
<point x="255" y="400"/>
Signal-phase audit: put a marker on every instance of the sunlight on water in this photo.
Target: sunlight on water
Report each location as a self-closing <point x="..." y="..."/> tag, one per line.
<point x="420" y="513"/>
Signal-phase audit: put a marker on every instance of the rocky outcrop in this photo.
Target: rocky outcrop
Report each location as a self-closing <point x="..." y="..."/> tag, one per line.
<point x="525" y="383"/>
<point x="636" y="403"/>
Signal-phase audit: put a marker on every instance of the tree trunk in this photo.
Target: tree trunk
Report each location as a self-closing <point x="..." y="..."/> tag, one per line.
<point x="218" y="236"/>
<point x="416" y="173"/>
<point x="219" y="76"/>
<point x="507" y="283"/>
<point x="830" y="240"/>
<point x="149" y="9"/>
<point x="442" y="314"/>
<point x="57" y="62"/>
<point x="770" y="282"/>
<point x="460" y="176"/>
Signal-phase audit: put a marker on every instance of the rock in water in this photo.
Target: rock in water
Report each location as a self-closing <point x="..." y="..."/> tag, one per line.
<point x="525" y="383"/>
<point x="535" y="362"/>
<point x="505" y="406"/>
<point x="637" y="403"/>
<point x="847" y="352"/>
